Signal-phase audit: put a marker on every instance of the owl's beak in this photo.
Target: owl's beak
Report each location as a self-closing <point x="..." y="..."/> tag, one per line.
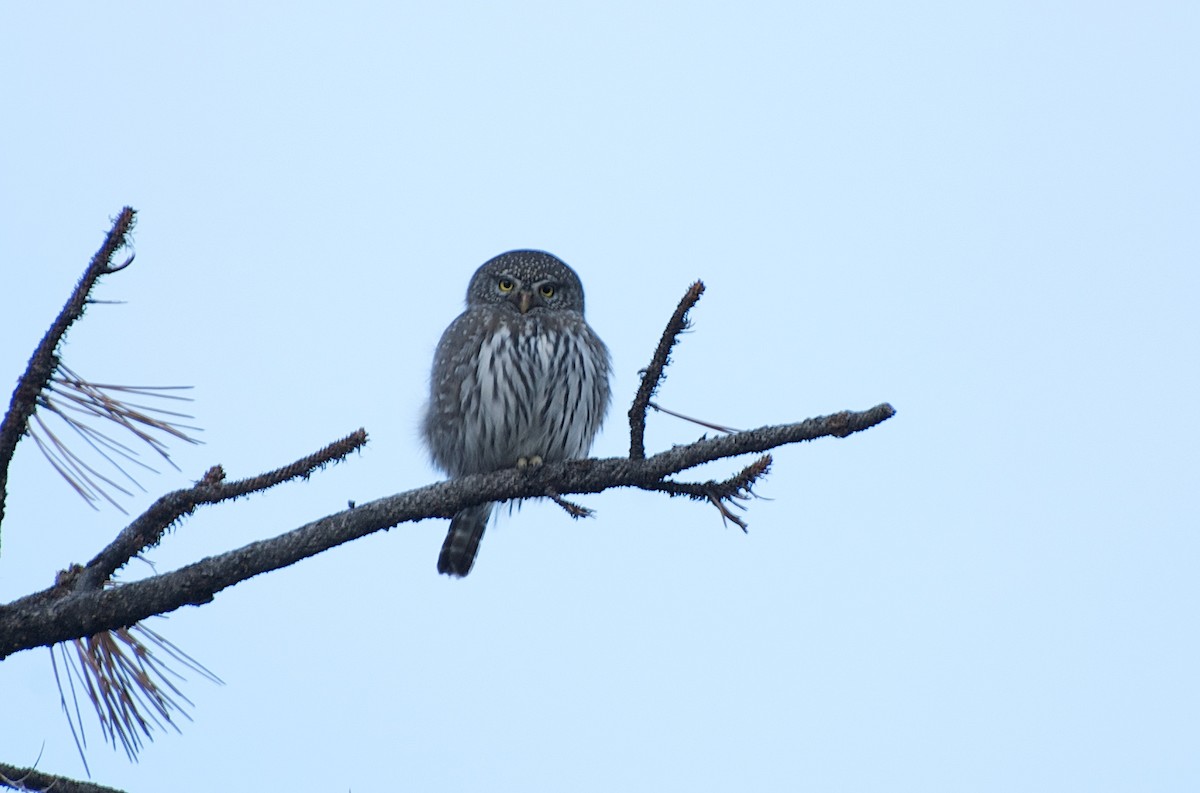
<point x="524" y="301"/>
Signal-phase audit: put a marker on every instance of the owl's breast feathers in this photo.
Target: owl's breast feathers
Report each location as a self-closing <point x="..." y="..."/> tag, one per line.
<point x="527" y="385"/>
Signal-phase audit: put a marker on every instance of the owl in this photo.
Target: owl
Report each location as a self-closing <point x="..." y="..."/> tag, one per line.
<point x="518" y="379"/>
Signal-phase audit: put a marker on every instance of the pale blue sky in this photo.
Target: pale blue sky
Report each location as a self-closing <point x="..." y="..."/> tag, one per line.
<point x="983" y="213"/>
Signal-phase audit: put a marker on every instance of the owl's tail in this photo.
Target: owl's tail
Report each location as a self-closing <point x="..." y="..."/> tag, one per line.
<point x="462" y="541"/>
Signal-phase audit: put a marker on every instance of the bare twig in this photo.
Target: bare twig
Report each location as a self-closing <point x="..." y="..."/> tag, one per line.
<point x="724" y="494"/>
<point x="44" y="360"/>
<point x="653" y="373"/>
<point x="148" y="528"/>
<point x="570" y="507"/>
<point x="701" y="422"/>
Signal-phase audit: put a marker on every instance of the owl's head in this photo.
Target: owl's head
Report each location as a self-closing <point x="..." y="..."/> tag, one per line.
<point x="525" y="282"/>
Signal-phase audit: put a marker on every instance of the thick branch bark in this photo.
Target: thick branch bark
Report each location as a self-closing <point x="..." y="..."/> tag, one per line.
<point x="63" y="613"/>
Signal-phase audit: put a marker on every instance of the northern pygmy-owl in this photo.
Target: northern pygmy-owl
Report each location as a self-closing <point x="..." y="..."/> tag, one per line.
<point x="519" y="378"/>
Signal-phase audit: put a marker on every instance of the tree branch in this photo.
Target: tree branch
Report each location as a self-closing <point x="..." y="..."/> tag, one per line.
<point x="149" y="527"/>
<point x="725" y="494"/>
<point x="32" y="779"/>
<point x="44" y="360"/>
<point x="86" y="606"/>
<point x="56" y="615"/>
<point x="653" y="374"/>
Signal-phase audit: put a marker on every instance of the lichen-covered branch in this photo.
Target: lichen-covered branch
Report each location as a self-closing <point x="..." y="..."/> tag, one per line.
<point x="653" y="373"/>
<point x="61" y="614"/>
<point x="44" y="360"/>
<point x="149" y="527"/>
<point x="724" y="494"/>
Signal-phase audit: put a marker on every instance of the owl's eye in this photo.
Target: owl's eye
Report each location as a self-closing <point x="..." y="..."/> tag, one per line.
<point x="506" y="285"/>
<point x="546" y="291"/>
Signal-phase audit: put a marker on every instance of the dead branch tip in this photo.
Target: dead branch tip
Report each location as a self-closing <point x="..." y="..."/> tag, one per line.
<point x="653" y="374"/>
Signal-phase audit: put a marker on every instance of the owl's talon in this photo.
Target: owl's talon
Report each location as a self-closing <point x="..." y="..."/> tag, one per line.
<point x="533" y="461"/>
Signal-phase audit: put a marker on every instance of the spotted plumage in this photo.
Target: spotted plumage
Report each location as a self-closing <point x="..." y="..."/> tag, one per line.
<point x="518" y="379"/>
